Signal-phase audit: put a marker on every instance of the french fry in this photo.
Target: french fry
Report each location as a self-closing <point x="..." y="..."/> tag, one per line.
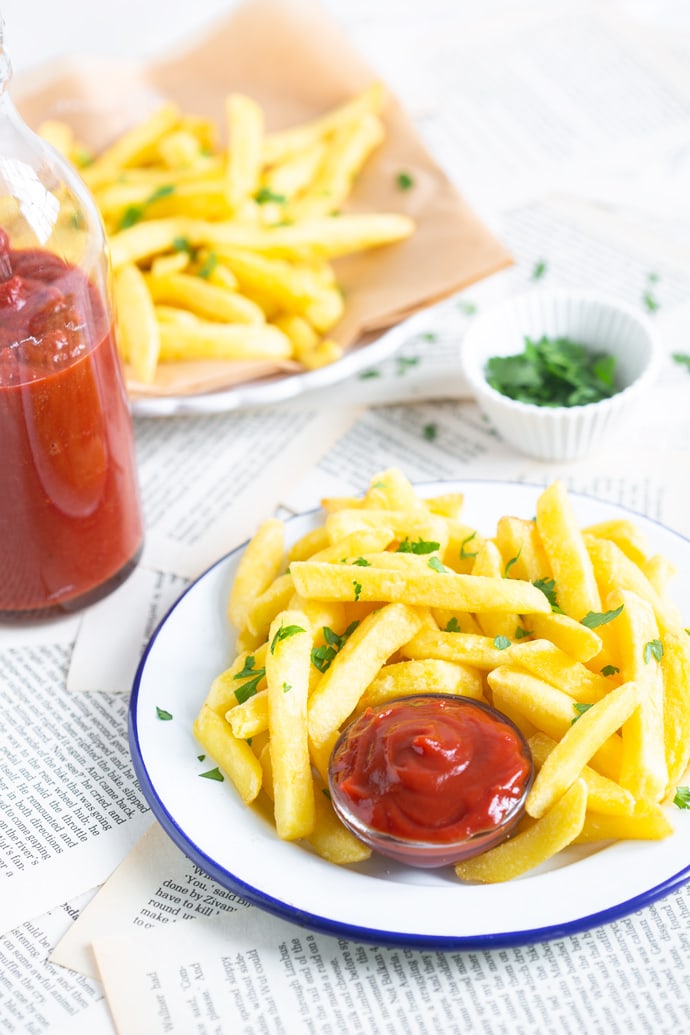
<point x="551" y="711"/>
<point x="533" y="846"/>
<point x="435" y="589"/>
<point x="436" y="676"/>
<point x="287" y="673"/>
<point x="576" y="588"/>
<point x="643" y="768"/>
<point x="675" y="671"/>
<point x="259" y="566"/>
<point x="578" y="744"/>
<point x="249" y="718"/>
<point x="521" y="547"/>
<point x="478" y="652"/>
<point x="233" y="756"/>
<point x="204" y="299"/>
<point x="647" y="823"/>
<point x="354" y="668"/>
<point x="604" y="796"/>
<point x="489" y="562"/>
<point x="226" y="689"/>
<point x="245" y="123"/>
<point x="549" y="662"/>
<point x="572" y="637"/>
<point x="205" y="339"/>
<point x="138" y="326"/>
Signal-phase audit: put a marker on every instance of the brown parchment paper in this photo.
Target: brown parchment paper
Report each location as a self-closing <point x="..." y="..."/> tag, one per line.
<point x="297" y="63"/>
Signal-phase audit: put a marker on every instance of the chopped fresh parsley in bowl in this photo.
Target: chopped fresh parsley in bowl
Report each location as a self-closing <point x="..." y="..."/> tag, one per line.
<point x="558" y="373"/>
<point x="554" y="372"/>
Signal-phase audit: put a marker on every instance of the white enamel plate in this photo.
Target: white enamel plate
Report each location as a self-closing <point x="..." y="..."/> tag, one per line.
<point x="374" y="901"/>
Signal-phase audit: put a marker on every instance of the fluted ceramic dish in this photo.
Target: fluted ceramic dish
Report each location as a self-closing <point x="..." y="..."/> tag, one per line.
<point x="600" y="323"/>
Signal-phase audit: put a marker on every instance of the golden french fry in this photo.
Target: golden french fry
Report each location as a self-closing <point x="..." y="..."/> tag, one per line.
<point x="249" y="718"/>
<point x="576" y="588"/>
<point x="489" y="562"/>
<point x="603" y="795"/>
<point x="544" y="659"/>
<point x="137" y="323"/>
<point x="287" y="672"/>
<point x="355" y="666"/>
<point x="260" y="564"/>
<point x="233" y="756"/>
<point x="434" y="589"/>
<point x="647" y="824"/>
<point x="551" y="711"/>
<point x="245" y="121"/>
<point x="522" y="549"/>
<point x="205" y="299"/>
<point x="233" y="685"/>
<point x="572" y="637"/>
<point x="643" y="769"/>
<point x="578" y="744"/>
<point x="533" y="846"/>
<point x="267" y="605"/>
<point x="434" y="675"/>
<point x="329" y="838"/>
<point x="132" y="144"/>
<point x="205" y="339"/>
<point x="625" y="534"/>
<point x="615" y="570"/>
<point x="675" y="671"/>
<point x="478" y="652"/>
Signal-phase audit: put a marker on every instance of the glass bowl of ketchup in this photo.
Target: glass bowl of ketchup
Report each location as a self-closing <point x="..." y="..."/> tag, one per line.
<point x="430" y="779"/>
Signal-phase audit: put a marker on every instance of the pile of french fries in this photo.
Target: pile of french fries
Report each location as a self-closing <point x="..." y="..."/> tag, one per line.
<point x="569" y="631"/>
<point x="224" y="253"/>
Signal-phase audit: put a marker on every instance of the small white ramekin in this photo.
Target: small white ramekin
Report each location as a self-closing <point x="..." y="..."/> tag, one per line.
<point x="603" y="324"/>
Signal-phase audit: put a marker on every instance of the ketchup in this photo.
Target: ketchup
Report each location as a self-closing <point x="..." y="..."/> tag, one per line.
<point x="70" y="519"/>
<point x="431" y="768"/>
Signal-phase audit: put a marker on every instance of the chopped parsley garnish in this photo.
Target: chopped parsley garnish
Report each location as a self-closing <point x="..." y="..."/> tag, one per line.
<point x="453" y="626"/>
<point x="253" y="677"/>
<point x="539" y="269"/>
<point x="357" y="588"/>
<point x="213" y="774"/>
<point x="134" y="213"/>
<point x="682" y="359"/>
<point x="366" y="375"/>
<point x="421" y="546"/>
<point x="405" y="362"/>
<point x="501" y="642"/>
<point x="287" y="687"/>
<point x="520" y="633"/>
<point x="512" y="561"/>
<point x="404" y="180"/>
<point x="653" y="649"/>
<point x="265" y="194"/>
<point x="682" y="797"/>
<point x="593" y="619"/>
<point x="548" y="588"/>
<point x="439" y="566"/>
<point x="430" y="432"/>
<point x="466" y="555"/>
<point x="321" y="657"/>
<point x="208" y="266"/>
<point x="163" y="715"/>
<point x="610" y="670"/>
<point x="468" y="308"/>
<point x="284" y="633"/>
<point x="200" y="758"/>
<point x="580" y="709"/>
<point x="362" y="562"/>
<point x="553" y="372"/>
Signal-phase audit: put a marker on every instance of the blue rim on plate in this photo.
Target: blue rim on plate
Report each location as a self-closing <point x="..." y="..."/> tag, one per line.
<point x="238" y="849"/>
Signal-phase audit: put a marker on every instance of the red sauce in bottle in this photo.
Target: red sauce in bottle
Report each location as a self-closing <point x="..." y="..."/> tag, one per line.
<point x="70" y="519"/>
<point x="431" y="768"/>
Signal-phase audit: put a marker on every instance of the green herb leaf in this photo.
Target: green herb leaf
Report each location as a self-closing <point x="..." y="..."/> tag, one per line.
<point x="548" y="588"/>
<point x="265" y="194"/>
<point x="213" y="774"/>
<point x="682" y="359"/>
<point x="163" y="715"/>
<point x="134" y="213"/>
<point x="553" y="372"/>
<point x="580" y="709"/>
<point x="208" y="267"/>
<point x="539" y="269"/>
<point x="253" y="676"/>
<point x="362" y="562"/>
<point x="358" y="588"/>
<point x="593" y="619"/>
<point x="468" y="308"/>
<point x="650" y="303"/>
<point x="653" y="649"/>
<point x="439" y="566"/>
<point x="404" y="181"/>
<point x="466" y="555"/>
<point x="610" y="670"/>
<point x="453" y="626"/>
<point x="421" y="546"/>
<point x="321" y="657"/>
<point x="512" y="561"/>
<point x="283" y="633"/>
<point x="404" y="363"/>
<point x="501" y="642"/>
<point x="521" y="633"/>
<point x="430" y="432"/>
<point x="366" y="375"/>
<point x="200" y="758"/>
<point x="287" y="687"/>
<point x="682" y="797"/>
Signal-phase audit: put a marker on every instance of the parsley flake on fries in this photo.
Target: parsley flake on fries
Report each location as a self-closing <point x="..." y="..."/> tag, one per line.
<point x="225" y="252"/>
<point x="597" y="683"/>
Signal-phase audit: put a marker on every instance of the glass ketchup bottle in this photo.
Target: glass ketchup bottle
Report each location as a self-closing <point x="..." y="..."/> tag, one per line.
<point x="71" y="527"/>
